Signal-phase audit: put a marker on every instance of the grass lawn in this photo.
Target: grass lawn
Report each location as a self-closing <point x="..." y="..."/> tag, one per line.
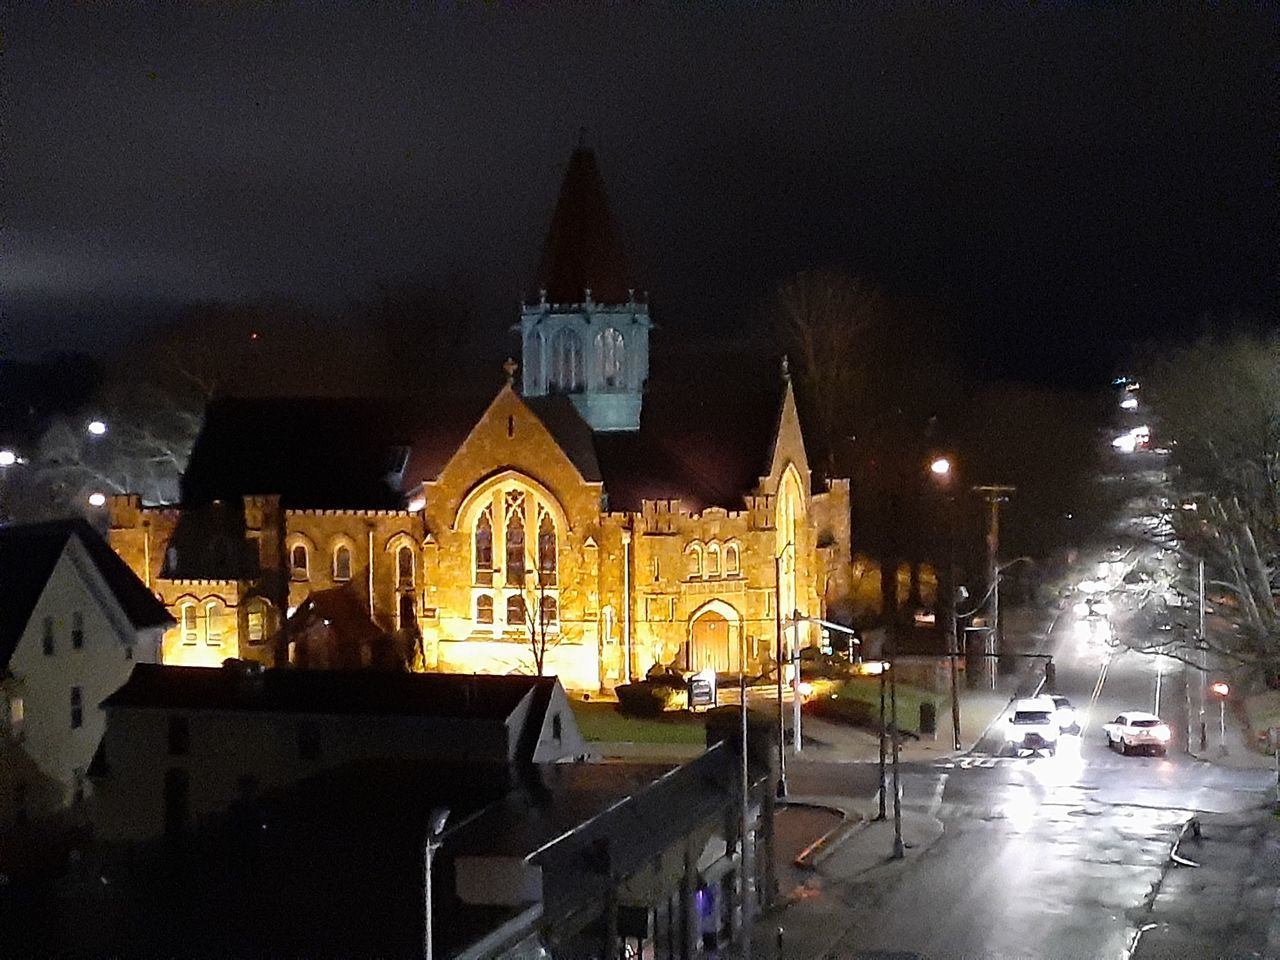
<point x="602" y="722"/>
<point x="857" y="700"/>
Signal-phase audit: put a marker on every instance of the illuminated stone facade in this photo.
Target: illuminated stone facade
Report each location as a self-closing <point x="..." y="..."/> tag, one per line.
<point x="593" y="522"/>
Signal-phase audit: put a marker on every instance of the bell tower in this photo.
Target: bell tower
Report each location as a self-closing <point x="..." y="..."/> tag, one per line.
<point x="587" y="334"/>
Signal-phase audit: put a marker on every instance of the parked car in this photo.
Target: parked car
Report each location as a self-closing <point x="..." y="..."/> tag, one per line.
<point x="1138" y="730"/>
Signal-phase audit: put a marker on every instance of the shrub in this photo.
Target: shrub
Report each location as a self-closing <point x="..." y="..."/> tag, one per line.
<point x="649" y="698"/>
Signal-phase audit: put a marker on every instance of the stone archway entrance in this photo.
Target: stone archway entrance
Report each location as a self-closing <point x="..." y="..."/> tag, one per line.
<point x="714" y="640"/>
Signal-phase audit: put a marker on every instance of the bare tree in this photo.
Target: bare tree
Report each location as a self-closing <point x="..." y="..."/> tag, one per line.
<point x="541" y="620"/>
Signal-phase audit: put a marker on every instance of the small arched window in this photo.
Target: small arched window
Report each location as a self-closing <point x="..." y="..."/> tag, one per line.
<point x="342" y="562"/>
<point x="611" y="354"/>
<point x="550" y="610"/>
<point x="713" y="560"/>
<point x="484" y="608"/>
<point x="404" y="566"/>
<point x="732" y="563"/>
<point x="546" y="550"/>
<point x="484" y="548"/>
<point x="189" y="631"/>
<point x="212" y="624"/>
<point x="298" y="561"/>
<point x="694" y="550"/>
<point x="515" y="610"/>
<point x="257" y="621"/>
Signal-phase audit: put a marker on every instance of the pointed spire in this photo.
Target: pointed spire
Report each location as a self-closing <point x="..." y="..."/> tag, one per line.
<point x="581" y="250"/>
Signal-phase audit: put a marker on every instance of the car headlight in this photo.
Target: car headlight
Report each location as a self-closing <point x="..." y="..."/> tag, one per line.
<point x="1162" y="733"/>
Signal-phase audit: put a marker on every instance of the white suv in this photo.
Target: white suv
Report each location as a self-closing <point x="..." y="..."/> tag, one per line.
<point x="1033" y="726"/>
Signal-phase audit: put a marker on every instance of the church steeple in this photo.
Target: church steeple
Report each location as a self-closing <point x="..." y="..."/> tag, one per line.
<point x="586" y="335"/>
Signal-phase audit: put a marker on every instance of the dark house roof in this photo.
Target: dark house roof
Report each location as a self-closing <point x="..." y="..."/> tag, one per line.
<point x="240" y="687"/>
<point x="28" y="553"/>
<point x="315" y="452"/>
<point x="582" y="251"/>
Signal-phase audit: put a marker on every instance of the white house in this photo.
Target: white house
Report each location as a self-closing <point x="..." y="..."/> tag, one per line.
<point x="73" y="622"/>
<point x="184" y="743"/>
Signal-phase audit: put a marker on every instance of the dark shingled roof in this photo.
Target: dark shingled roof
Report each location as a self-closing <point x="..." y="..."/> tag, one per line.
<point x="706" y="434"/>
<point x="316" y="452"/>
<point x="571" y="432"/>
<point x="325" y="692"/>
<point x="582" y="250"/>
<point x="28" y="553"/>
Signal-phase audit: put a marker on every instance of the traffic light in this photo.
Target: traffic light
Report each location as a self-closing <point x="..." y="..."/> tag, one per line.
<point x="1220" y="689"/>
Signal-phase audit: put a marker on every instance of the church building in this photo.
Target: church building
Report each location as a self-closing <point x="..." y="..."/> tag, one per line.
<point x="591" y="519"/>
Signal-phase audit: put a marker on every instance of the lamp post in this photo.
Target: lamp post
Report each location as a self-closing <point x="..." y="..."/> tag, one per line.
<point x="439" y="816"/>
<point x="943" y="470"/>
<point x="746" y="865"/>
<point x="782" y="721"/>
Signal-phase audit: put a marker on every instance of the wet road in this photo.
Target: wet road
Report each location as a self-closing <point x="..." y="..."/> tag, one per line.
<point x="1053" y="857"/>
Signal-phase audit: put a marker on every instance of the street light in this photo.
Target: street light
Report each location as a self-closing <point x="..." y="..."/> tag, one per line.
<point x="8" y="458"/>
<point x="435" y="827"/>
<point x="97" y="499"/>
<point x="97" y="428"/>
<point x="782" y="722"/>
<point x="941" y="468"/>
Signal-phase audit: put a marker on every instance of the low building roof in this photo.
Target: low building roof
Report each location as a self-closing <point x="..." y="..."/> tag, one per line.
<point x="244" y="687"/>
<point x="28" y="554"/>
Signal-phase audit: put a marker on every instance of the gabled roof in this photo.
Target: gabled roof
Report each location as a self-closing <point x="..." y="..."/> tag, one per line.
<point x="238" y="687"/>
<point x="571" y="432"/>
<point x="315" y="452"/>
<point x="582" y="251"/>
<point x="28" y="554"/>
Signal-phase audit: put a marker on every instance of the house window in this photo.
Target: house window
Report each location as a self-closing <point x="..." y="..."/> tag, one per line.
<point x="77" y="630"/>
<point x="47" y="636"/>
<point x="732" y="563"/>
<point x="179" y="736"/>
<point x="17" y="712"/>
<point x="515" y="610"/>
<point x="308" y="740"/>
<point x="189" y="623"/>
<point x="404" y="566"/>
<point x="257" y="624"/>
<point x="610" y="348"/>
<point x="557" y="728"/>
<point x="546" y="550"/>
<point x="298" y="561"/>
<point x="342" y="563"/>
<point x="550" y="610"/>
<point x="713" y="560"/>
<point x="515" y="541"/>
<point x="566" y="363"/>
<point x="77" y="708"/>
<point x="695" y="560"/>
<point x="77" y="785"/>
<point x="484" y="548"/>
<point x="128" y="651"/>
<point x="212" y="625"/>
<point x="484" y="608"/>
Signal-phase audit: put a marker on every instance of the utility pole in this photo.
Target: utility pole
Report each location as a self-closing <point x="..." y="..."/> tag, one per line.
<point x="782" y="722"/>
<point x="883" y="667"/>
<point x="745" y="863"/>
<point x="899" y="849"/>
<point x="994" y="494"/>
<point x="948" y="584"/>
<point x="1202" y="644"/>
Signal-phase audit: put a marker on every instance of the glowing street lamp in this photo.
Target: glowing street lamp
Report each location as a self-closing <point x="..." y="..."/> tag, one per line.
<point x="940" y="467"/>
<point x="8" y="458"/>
<point x="97" y="499"/>
<point x="96" y="428"/>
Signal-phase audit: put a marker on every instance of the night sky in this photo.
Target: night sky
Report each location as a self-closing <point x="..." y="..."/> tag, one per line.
<point x="1060" y="179"/>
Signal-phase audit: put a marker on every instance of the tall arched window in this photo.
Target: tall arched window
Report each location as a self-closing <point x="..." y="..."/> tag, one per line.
<point x="566" y="363"/>
<point x="342" y="562"/>
<point x="298" y="561"/>
<point x="404" y="566"/>
<point x="611" y="359"/>
<point x="546" y="550"/>
<point x="484" y="549"/>
<point x="515" y="540"/>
